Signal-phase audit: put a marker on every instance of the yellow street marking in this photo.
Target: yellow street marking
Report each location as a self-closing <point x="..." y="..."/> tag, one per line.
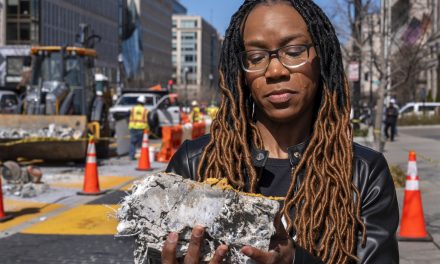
<point x="105" y="182"/>
<point x="127" y="187"/>
<point x="24" y="211"/>
<point x="82" y="220"/>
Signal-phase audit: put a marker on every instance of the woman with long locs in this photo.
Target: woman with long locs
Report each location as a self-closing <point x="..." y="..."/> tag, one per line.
<point x="283" y="129"/>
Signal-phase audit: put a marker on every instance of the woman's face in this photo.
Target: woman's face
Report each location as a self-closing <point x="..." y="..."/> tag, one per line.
<point x="281" y="94"/>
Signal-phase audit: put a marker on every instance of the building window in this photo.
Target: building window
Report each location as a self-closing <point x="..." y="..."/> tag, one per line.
<point x="22" y="21"/>
<point x="188" y="23"/>
<point x="190" y="58"/>
<point x="188" y="35"/>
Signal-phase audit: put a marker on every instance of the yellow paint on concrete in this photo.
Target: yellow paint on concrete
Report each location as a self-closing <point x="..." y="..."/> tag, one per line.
<point x="24" y="211"/>
<point x="105" y="182"/>
<point x="127" y="187"/>
<point x="82" y="220"/>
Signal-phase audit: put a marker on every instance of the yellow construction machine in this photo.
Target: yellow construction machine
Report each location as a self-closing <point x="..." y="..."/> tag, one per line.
<point x="60" y="110"/>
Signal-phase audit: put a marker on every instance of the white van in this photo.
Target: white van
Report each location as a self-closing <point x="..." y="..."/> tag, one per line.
<point x="420" y="108"/>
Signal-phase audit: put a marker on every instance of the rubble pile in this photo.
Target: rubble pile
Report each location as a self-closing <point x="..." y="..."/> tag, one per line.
<point x="164" y="203"/>
<point x="51" y="131"/>
<point x="22" y="182"/>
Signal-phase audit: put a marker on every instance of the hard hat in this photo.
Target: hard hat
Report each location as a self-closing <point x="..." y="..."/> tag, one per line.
<point x="194" y="103"/>
<point x="100" y="77"/>
<point x="99" y="93"/>
<point x="392" y="100"/>
<point x="141" y="99"/>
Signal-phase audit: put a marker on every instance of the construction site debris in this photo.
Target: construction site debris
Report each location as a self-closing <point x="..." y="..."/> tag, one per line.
<point x="22" y="182"/>
<point x="50" y="131"/>
<point x="164" y="203"/>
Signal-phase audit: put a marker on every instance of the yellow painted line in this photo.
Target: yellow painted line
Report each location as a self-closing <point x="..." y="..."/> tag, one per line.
<point x="24" y="211"/>
<point x="127" y="187"/>
<point x="105" y="182"/>
<point x="82" y="220"/>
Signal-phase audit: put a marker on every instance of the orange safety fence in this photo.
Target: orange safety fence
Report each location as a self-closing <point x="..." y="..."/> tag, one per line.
<point x="171" y="141"/>
<point x="198" y="129"/>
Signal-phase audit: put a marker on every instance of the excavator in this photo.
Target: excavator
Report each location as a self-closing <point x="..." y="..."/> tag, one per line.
<point x="61" y="99"/>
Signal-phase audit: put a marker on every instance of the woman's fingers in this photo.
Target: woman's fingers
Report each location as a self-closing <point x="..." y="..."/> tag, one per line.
<point x="169" y="249"/>
<point x="195" y="245"/>
<point x="219" y="254"/>
<point x="260" y="256"/>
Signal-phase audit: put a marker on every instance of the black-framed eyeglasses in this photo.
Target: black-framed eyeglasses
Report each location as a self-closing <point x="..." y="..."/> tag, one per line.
<point x="291" y="56"/>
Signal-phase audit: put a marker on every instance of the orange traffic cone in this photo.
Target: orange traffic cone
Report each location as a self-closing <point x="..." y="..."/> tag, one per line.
<point x="144" y="160"/>
<point x="3" y="216"/>
<point x="91" y="180"/>
<point x="412" y="225"/>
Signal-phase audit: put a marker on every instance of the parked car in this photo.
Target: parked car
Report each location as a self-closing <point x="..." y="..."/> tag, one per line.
<point x="419" y="108"/>
<point x="9" y="102"/>
<point x="163" y="109"/>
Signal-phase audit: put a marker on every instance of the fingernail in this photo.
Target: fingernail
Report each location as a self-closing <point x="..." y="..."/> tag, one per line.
<point x="198" y="231"/>
<point x="172" y="237"/>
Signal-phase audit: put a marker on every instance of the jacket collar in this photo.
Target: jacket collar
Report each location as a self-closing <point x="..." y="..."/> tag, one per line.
<point x="260" y="156"/>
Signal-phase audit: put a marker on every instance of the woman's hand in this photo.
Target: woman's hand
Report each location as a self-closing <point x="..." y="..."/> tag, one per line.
<point x="194" y="248"/>
<point x="282" y="248"/>
<point x="283" y="253"/>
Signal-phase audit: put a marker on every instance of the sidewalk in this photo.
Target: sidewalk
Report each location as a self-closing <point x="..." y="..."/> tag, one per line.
<point x="428" y="164"/>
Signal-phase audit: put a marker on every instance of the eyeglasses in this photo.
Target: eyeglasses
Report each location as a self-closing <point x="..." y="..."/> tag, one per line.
<point x="291" y="56"/>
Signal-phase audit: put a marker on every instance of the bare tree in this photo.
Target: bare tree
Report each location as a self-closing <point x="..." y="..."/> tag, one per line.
<point x="396" y="63"/>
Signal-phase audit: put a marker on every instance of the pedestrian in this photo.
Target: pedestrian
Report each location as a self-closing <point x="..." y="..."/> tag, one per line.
<point x="25" y="77"/>
<point x="137" y="124"/>
<point x="283" y="129"/>
<point x="196" y="114"/>
<point x="391" y="115"/>
<point x="212" y="110"/>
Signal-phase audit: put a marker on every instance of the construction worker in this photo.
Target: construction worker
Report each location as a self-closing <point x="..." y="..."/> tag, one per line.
<point x="195" y="115"/>
<point x="212" y="110"/>
<point x="137" y="124"/>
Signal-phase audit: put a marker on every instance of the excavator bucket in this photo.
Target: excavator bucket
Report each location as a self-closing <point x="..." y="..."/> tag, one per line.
<point x="51" y="138"/>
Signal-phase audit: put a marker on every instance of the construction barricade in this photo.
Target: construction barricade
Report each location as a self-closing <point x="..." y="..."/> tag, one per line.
<point x="91" y="177"/>
<point x="198" y="129"/>
<point x="187" y="131"/>
<point x="173" y="136"/>
<point x="412" y="224"/>
<point x="171" y="141"/>
<point x="144" y="159"/>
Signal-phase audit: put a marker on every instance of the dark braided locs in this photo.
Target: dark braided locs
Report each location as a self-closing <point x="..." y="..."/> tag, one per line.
<point x="327" y="203"/>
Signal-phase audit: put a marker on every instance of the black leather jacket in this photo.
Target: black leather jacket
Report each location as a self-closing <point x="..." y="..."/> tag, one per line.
<point x="370" y="174"/>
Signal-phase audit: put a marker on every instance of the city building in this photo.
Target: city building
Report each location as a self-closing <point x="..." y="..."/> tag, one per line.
<point x="2" y="22"/>
<point x="369" y="76"/>
<point x="57" y="22"/>
<point x="155" y="24"/>
<point x="178" y="8"/>
<point x="195" y="55"/>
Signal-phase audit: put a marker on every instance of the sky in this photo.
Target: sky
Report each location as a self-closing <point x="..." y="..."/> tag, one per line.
<point x="218" y="12"/>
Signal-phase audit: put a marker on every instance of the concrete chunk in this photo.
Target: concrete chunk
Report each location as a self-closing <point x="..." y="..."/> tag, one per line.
<point x="164" y="203"/>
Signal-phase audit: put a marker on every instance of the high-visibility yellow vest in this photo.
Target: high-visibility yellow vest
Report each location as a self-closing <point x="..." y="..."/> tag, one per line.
<point x="196" y="115"/>
<point x="138" y="118"/>
<point x="212" y="111"/>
